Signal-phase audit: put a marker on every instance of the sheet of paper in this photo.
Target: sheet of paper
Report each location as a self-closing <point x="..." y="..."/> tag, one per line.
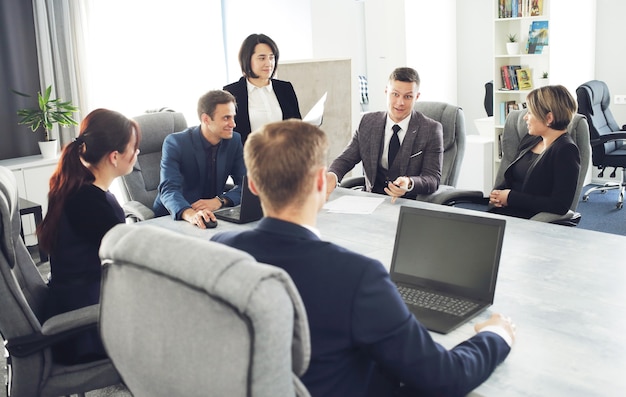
<point x="354" y="204"/>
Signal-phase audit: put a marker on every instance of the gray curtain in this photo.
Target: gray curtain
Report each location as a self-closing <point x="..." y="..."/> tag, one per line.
<point x="18" y="71"/>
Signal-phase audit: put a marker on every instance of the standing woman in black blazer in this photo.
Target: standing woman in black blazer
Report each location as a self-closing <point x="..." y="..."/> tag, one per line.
<point x="261" y="98"/>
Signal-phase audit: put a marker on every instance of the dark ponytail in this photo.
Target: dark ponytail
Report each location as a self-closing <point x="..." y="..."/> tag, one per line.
<point x="101" y="132"/>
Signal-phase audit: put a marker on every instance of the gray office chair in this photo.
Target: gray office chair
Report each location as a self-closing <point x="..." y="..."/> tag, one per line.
<point x="607" y="138"/>
<point x="139" y="188"/>
<point x="189" y="317"/>
<point x="23" y="293"/>
<point x="514" y="130"/>
<point x="453" y="122"/>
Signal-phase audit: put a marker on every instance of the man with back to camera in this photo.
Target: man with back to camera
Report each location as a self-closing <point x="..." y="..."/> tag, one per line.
<point x="401" y="149"/>
<point x="197" y="162"/>
<point x="364" y="340"/>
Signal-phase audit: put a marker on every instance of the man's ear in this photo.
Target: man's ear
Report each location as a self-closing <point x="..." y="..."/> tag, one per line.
<point x="252" y="187"/>
<point x="321" y="179"/>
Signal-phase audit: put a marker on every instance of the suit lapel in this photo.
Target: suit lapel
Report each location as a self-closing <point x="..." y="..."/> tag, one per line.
<point x="375" y="143"/>
<point x="198" y="150"/>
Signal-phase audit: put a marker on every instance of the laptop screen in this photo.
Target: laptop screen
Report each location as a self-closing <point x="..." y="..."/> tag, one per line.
<point x="452" y="252"/>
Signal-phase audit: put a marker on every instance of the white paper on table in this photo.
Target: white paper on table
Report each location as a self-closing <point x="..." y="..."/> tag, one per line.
<point x="353" y="204"/>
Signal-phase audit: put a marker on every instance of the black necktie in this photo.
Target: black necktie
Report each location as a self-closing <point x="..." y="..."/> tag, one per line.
<point x="394" y="145"/>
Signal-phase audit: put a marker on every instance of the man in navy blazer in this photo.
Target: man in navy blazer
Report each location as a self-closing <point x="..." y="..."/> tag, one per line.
<point x="416" y="168"/>
<point x="197" y="162"/>
<point x="360" y="327"/>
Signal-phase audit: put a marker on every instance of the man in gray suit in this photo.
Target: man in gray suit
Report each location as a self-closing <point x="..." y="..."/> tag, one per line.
<point x="401" y="149"/>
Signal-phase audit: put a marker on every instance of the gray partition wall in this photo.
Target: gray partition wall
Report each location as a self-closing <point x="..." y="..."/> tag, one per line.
<point x="311" y="79"/>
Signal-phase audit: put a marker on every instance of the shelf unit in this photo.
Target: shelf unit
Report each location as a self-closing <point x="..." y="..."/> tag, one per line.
<point x="569" y="58"/>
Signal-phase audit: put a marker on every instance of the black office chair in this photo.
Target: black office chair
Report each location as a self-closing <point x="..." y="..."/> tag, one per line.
<point x="488" y="101"/>
<point x="607" y="138"/>
<point x="452" y="120"/>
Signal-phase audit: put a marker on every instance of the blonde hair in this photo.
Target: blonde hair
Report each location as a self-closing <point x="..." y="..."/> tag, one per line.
<point x="556" y="99"/>
<point x="281" y="157"/>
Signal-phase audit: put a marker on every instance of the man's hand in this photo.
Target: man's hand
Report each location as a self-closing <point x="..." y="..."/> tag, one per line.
<point x="198" y="217"/>
<point x="398" y="187"/>
<point x="498" y="320"/>
<point x="331" y="183"/>
<point x="207" y="204"/>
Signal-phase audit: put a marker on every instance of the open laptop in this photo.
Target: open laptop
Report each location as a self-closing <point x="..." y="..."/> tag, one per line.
<point x="451" y="256"/>
<point x="248" y="211"/>
<point x="316" y="114"/>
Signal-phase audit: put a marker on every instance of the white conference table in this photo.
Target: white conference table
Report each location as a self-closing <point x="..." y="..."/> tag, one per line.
<point x="564" y="288"/>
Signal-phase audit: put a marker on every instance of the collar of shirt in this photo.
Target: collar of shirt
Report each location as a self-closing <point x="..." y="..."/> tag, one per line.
<point x="251" y="87"/>
<point x="404" y="124"/>
<point x="313" y="230"/>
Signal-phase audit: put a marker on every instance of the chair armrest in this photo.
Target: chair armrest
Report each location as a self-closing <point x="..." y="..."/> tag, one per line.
<point x="138" y="211"/>
<point x="54" y="330"/>
<point x="452" y="196"/>
<point x="615" y="136"/>
<point x="353" y="182"/>
<point x="570" y="218"/>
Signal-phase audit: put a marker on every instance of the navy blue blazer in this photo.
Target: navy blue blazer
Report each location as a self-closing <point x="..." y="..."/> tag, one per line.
<point x="357" y="318"/>
<point x="183" y="171"/>
<point x="550" y="184"/>
<point x="285" y="94"/>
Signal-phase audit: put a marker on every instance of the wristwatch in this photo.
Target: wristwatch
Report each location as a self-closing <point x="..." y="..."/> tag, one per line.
<point x="222" y="200"/>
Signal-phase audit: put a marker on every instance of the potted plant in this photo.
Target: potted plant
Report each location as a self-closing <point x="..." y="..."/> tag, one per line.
<point x="512" y="47"/>
<point x="543" y="81"/>
<point x="48" y="113"/>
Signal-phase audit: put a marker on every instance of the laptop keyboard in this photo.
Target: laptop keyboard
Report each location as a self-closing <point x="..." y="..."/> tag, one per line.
<point x="433" y="301"/>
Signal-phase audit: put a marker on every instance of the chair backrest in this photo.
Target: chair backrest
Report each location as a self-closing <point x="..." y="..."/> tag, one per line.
<point x="189" y="317"/>
<point x="22" y="290"/>
<point x="452" y="119"/>
<point x="515" y="129"/>
<point x="593" y="102"/>
<point x="142" y="183"/>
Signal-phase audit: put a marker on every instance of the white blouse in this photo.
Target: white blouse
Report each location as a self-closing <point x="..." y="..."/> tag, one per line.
<point x="263" y="106"/>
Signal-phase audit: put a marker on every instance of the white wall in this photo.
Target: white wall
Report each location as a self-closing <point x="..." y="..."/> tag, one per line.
<point x="610" y="54"/>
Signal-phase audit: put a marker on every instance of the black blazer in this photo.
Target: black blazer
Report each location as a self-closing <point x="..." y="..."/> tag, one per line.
<point x="549" y="185"/>
<point x="286" y="99"/>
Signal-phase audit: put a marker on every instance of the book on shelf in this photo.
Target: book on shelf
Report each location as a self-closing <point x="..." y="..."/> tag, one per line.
<point x="538" y="35"/>
<point x="536" y="8"/>
<point x="507" y="106"/>
<point x="524" y="79"/>
<point x="519" y="8"/>
<point x="509" y="77"/>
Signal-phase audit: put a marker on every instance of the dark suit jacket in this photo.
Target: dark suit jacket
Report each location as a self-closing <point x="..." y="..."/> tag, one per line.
<point x="550" y="185"/>
<point x="183" y="171"/>
<point x="286" y="98"/>
<point x="420" y="156"/>
<point x="357" y="318"/>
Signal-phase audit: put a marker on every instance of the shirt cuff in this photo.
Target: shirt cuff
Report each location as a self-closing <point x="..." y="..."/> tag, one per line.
<point x="500" y="331"/>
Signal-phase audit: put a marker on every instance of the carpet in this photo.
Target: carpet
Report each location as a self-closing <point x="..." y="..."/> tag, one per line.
<point x="600" y="213"/>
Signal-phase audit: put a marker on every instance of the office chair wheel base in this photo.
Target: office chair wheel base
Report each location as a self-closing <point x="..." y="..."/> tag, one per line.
<point x="586" y="198"/>
<point x="619" y="206"/>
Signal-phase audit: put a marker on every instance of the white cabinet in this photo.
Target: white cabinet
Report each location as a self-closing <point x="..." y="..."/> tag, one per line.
<point x="32" y="174"/>
<point x="569" y="57"/>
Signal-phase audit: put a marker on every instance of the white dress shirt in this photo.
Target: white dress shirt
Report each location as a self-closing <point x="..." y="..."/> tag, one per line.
<point x="263" y="106"/>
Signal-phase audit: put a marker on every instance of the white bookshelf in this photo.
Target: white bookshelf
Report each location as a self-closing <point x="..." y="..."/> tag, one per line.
<point x="569" y="58"/>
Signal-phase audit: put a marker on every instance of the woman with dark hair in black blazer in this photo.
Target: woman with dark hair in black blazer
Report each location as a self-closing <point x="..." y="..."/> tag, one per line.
<point x="261" y="98"/>
<point x="544" y="175"/>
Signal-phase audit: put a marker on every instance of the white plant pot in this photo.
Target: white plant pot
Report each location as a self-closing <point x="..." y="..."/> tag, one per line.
<point x="512" y="48"/>
<point x="49" y="149"/>
<point x="543" y="82"/>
